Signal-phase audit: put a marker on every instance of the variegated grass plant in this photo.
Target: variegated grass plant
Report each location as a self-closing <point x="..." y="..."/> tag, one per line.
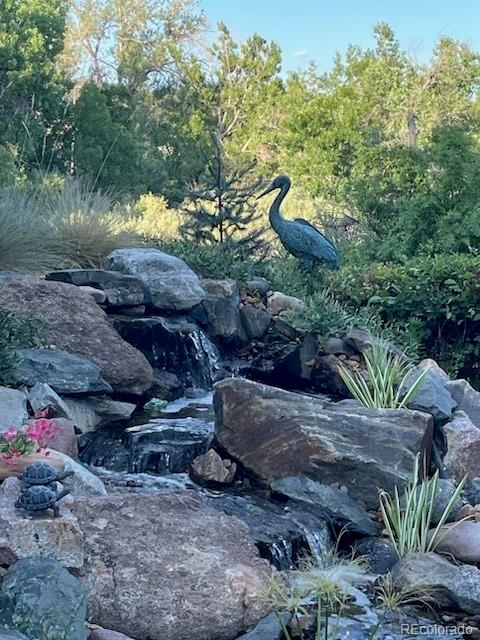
<point x="409" y="519"/>
<point x="387" y="385"/>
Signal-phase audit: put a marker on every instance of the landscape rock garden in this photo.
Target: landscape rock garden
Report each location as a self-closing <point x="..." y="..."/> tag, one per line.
<point x="222" y="482"/>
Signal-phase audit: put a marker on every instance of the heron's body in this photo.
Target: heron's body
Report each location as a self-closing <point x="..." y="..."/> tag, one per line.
<point x="299" y="237"/>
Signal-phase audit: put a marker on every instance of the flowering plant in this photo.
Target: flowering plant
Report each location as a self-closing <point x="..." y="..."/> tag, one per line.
<point x="31" y="438"/>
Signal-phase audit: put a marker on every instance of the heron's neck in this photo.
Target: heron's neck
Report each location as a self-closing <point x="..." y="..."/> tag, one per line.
<point x="275" y="216"/>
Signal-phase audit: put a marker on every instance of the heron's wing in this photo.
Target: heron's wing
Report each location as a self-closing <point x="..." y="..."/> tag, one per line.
<point x="309" y="224"/>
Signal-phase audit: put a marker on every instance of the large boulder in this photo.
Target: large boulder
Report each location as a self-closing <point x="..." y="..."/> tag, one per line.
<point x="433" y="395"/>
<point x="75" y="323"/>
<point x="166" y="566"/>
<point x="461" y="540"/>
<point x="58" y="538"/>
<point x="83" y="482"/>
<point x="172" y="285"/>
<point x="463" y="447"/>
<point x="88" y="414"/>
<point x="63" y="372"/>
<point x="467" y="399"/>
<point x="44" y="600"/>
<point x="222" y="306"/>
<point x="13" y="408"/>
<point x="255" y="321"/>
<point x="450" y="585"/>
<point x="276" y="433"/>
<point x="120" y="290"/>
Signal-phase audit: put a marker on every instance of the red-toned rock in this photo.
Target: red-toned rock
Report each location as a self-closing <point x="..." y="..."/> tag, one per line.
<point x="76" y="324"/>
<point x="167" y="566"/>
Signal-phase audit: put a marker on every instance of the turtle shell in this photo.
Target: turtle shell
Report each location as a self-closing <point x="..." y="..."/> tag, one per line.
<point x="37" y="498"/>
<point x="39" y="473"/>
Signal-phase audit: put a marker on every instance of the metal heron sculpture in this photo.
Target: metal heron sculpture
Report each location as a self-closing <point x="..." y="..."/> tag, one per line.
<point x="299" y="237"/>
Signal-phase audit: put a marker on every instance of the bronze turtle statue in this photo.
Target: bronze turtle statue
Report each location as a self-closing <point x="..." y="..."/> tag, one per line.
<point x="40" y="498"/>
<point x="42" y="473"/>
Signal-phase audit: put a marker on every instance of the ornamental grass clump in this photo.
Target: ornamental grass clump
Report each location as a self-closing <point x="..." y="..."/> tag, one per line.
<point x="408" y="519"/>
<point x="387" y="385"/>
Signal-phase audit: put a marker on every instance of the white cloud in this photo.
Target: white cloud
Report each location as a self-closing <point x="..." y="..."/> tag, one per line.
<point x="300" y="54"/>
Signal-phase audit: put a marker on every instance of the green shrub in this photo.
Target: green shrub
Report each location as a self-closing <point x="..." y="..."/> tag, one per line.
<point x="435" y="298"/>
<point x="16" y="332"/>
<point x="227" y="260"/>
<point x="26" y="244"/>
<point x="152" y="219"/>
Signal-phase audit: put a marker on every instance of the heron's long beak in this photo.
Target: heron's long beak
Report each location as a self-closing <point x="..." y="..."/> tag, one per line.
<point x="267" y="190"/>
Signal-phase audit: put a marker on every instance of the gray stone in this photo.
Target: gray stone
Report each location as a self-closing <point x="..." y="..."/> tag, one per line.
<point x="333" y="504"/>
<point x="472" y="491"/>
<point x="83" y="482"/>
<point x="98" y="295"/>
<point x="107" y="634"/>
<point x="267" y="629"/>
<point x="59" y="538"/>
<point x="41" y="396"/>
<point x="209" y="468"/>
<point x="63" y="372"/>
<point x="451" y="585"/>
<point x="89" y="414"/>
<point x="378" y="552"/>
<point x="119" y="289"/>
<point x="467" y="399"/>
<point x="172" y="285"/>
<point x="65" y="441"/>
<point x="463" y="447"/>
<point x="166" y="566"/>
<point x="461" y="540"/>
<point x="76" y="324"/>
<point x="13" y="408"/>
<point x="258" y="285"/>
<point x="362" y="340"/>
<point x="278" y="303"/>
<point x="222" y="306"/>
<point x="276" y="433"/>
<point x="255" y="321"/>
<point x="45" y="600"/>
<point x="337" y="345"/>
<point x="167" y="386"/>
<point x="433" y="395"/>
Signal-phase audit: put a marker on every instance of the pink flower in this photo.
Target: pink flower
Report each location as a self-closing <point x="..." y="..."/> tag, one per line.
<point x="42" y="430"/>
<point x="10" y="434"/>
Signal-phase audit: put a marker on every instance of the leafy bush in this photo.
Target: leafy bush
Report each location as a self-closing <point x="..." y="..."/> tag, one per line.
<point x="386" y="384"/>
<point x="435" y="298"/>
<point x="16" y="332"/>
<point x="151" y="218"/>
<point x="26" y="244"/>
<point x="227" y="260"/>
<point x="409" y="521"/>
<point x="84" y="226"/>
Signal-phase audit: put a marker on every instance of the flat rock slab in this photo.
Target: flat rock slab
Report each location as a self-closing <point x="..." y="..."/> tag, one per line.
<point x="171" y="284"/>
<point x="276" y="433"/>
<point x="166" y="566"/>
<point x="63" y="372"/>
<point x="76" y="324"/>
<point x="121" y="290"/>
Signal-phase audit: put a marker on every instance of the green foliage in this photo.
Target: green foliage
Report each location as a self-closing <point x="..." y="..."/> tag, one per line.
<point x="435" y="296"/>
<point x="388" y="384"/>
<point x="151" y="218"/>
<point x="408" y="520"/>
<point x="215" y="261"/>
<point x="16" y="332"/>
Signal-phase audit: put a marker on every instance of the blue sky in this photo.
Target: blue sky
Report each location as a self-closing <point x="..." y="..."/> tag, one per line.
<point x="315" y="29"/>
